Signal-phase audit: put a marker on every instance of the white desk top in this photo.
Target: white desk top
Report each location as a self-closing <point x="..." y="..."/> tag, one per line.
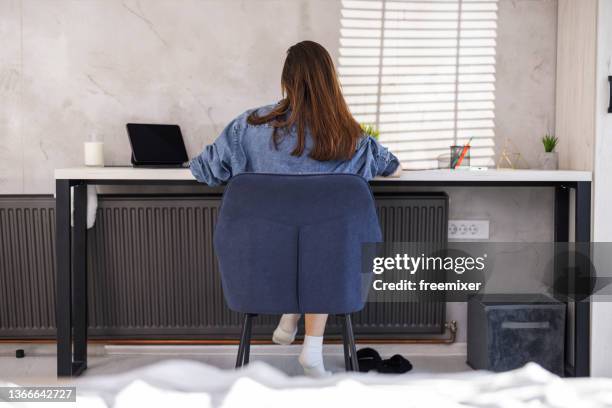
<point x="130" y="173"/>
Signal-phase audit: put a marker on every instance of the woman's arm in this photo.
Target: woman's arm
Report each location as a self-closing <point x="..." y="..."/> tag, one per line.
<point x="397" y="172"/>
<point x="388" y="164"/>
<point x="221" y="160"/>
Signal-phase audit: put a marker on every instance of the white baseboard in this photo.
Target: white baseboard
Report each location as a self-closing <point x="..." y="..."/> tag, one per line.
<point x="440" y="350"/>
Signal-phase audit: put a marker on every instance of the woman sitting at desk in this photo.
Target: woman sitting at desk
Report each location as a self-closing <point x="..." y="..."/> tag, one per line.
<point x="311" y="130"/>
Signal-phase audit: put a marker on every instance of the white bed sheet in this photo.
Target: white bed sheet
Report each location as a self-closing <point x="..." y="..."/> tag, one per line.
<point x="179" y="383"/>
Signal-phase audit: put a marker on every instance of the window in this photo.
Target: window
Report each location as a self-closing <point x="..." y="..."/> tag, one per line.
<point x="423" y="73"/>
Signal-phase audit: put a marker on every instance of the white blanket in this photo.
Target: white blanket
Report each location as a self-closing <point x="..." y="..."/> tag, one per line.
<point x="177" y="383"/>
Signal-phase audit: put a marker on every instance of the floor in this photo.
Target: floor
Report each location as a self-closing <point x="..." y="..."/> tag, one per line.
<point x="39" y="364"/>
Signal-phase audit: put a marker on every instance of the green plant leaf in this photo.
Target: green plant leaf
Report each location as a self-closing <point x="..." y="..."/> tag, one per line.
<point x="550" y="142"/>
<point x="370" y="130"/>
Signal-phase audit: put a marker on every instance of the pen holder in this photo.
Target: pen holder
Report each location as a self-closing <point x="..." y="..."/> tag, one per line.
<point x="458" y="158"/>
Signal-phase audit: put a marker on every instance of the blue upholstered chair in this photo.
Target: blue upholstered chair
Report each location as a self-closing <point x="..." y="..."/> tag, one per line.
<point x="293" y="244"/>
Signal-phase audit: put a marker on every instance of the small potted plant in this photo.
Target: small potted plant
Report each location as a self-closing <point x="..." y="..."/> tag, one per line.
<point x="549" y="159"/>
<point x="370" y="130"/>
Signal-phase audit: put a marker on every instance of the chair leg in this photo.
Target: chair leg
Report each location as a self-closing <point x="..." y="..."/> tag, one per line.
<point x="347" y="357"/>
<point x="244" y="347"/>
<point x="350" y="352"/>
<point x="247" y="346"/>
<point x="240" y="355"/>
<point x="352" y="346"/>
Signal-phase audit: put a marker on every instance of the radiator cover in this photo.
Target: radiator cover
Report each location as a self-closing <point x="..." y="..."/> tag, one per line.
<point x="153" y="274"/>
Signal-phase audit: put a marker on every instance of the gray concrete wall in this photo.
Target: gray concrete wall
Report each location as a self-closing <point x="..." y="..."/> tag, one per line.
<point x="70" y="68"/>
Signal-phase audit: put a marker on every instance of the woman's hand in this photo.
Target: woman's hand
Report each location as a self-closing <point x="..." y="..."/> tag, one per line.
<point x="398" y="172"/>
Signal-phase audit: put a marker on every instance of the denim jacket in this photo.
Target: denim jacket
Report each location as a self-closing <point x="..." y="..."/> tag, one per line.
<point x="246" y="148"/>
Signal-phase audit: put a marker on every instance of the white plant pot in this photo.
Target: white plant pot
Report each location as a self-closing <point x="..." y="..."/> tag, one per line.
<point x="549" y="161"/>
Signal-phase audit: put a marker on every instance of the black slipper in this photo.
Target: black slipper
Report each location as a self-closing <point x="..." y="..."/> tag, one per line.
<point x="394" y="365"/>
<point x="368" y="359"/>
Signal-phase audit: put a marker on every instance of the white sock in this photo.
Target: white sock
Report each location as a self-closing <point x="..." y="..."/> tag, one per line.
<point x="288" y="322"/>
<point x="286" y="330"/>
<point x="311" y="357"/>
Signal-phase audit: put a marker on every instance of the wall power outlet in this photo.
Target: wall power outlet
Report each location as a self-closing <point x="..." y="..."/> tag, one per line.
<point x="468" y="229"/>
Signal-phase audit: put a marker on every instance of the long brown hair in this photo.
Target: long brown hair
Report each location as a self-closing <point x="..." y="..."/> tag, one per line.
<point x="312" y="100"/>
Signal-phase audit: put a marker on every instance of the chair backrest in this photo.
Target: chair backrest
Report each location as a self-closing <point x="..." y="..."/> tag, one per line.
<point x="293" y="243"/>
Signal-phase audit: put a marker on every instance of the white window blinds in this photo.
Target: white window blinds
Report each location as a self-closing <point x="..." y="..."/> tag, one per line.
<point x="423" y="73"/>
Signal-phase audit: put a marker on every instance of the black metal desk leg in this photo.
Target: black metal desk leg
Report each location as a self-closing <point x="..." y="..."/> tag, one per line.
<point x="562" y="210"/>
<point x="583" y="211"/>
<point x="79" y="278"/>
<point x="63" y="292"/>
<point x="582" y="344"/>
<point x="561" y="235"/>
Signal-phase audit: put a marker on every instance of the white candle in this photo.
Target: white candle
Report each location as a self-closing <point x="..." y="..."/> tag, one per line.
<point x="94" y="154"/>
